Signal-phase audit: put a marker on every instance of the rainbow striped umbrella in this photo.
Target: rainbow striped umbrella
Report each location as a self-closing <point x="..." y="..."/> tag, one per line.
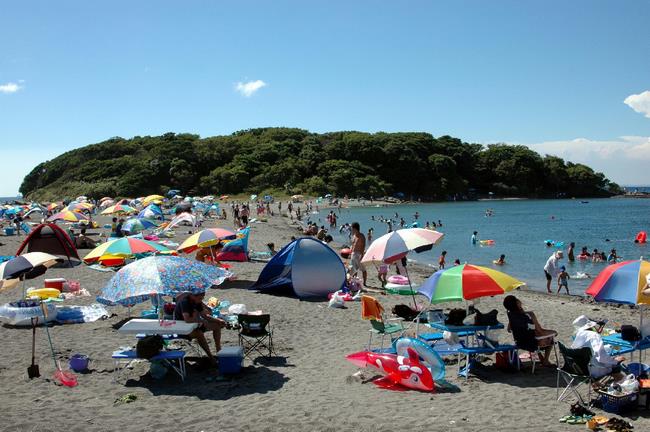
<point x="206" y="237"/>
<point x="466" y="282"/>
<point x="69" y="216"/>
<point x="118" y="208"/>
<point x="124" y="247"/>
<point x="625" y="282"/>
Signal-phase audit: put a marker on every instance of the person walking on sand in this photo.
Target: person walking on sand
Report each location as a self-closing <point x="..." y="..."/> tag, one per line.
<point x="358" y="247"/>
<point x="563" y="280"/>
<point x="441" y="260"/>
<point x="551" y="268"/>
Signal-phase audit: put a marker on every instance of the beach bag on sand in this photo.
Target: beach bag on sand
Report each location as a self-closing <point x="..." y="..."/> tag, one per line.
<point x="149" y="346"/>
<point x="630" y="333"/>
<point x="456" y="317"/>
<point x="486" y="319"/>
<point x="405" y="312"/>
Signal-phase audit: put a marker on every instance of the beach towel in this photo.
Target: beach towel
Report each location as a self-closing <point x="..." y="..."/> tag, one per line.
<point x="81" y="314"/>
<point x="371" y="309"/>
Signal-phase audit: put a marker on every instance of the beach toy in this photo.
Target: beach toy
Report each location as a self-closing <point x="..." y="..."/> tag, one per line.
<point x="343" y="296"/>
<point x="641" y="237"/>
<point x="55" y="283"/>
<point x="400" y="289"/>
<point x="345" y="253"/>
<point x="486" y="242"/>
<point x="21" y="312"/>
<point x="43" y="293"/>
<point x="398" y="280"/>
<point x="79" y="362"/>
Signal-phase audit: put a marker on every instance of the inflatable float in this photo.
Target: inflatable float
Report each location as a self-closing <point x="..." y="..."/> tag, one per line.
<point x="641" y="237"/>
<point x="398" y="280"/>
<point x="554" y="243"/>
<point x="43" y="293"/>
<point x="415" y="366"/>
<point x="20" y="313"/>
<point x="497" y="262"/>
<point x="345" y="253"/>
<point x="343" y="296"/>
<point x="486" y="242"/>
<point x="400" y="289"/>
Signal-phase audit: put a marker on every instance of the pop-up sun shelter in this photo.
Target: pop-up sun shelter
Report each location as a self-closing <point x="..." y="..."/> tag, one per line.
<point x="50" y="238"/>
<point x="306" y="268"/>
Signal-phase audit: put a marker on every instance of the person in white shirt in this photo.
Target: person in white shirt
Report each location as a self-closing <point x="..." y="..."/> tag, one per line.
<point x="588" y="335"/>
<point x="552" y="268"/>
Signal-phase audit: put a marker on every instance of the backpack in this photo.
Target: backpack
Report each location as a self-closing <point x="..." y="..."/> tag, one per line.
<point x="149" y="346"/>
<point x="456" y="317"/>
<point x="404" y="311"/>
<point x="630" y="333"/>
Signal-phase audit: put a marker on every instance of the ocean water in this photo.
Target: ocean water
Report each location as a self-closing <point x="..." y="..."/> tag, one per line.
<point x="519" y="229"/>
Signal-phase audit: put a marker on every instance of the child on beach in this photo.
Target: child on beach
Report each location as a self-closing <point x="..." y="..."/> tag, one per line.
<point x="563" y="280"/>
<point x="441" y="260"/>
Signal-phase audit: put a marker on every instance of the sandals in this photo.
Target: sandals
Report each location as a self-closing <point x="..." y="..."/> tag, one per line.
<point x="573" y="419"/>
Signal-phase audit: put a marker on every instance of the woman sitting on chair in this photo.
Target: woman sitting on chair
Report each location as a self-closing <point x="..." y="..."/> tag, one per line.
<point x="527" y="332"/>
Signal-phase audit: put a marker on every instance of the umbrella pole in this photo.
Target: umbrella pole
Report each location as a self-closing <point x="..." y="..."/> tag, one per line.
<point x="411" y="288"/>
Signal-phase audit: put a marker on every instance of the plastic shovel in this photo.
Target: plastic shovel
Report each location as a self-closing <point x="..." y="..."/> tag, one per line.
<point x="67" y="379"/>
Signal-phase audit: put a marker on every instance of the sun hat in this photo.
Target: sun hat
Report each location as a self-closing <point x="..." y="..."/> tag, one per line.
<point x="583" y="323"/>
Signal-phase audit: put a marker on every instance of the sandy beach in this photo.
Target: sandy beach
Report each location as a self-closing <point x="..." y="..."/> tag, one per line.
<point x="308" y="385"/>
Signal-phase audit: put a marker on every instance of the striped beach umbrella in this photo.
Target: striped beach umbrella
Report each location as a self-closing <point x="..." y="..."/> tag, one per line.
<point x="68" y="216"/>
<point x="466" y="282"/>
<point x="160" y="276"/>
<point x="136" y="225"/>
<point x="205" y="238"/>
<point x="395" y="245"/>
<point x="26" y="266"/>
<point x="118" y="209"/>
<point x="625" y="282"/>
<point x="125" y="247"/>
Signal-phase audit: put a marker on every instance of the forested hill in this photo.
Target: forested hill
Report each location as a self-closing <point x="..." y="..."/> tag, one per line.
<point x="297" y="161"/>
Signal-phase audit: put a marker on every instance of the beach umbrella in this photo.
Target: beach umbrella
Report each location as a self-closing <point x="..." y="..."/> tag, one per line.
<point x="135" y="225"/>
<point x="118" y="208"/>
<point x="80" y="206"/>
<point x="26" y="266"/>
<point x="160" y="276"/>
<point x="105" y="198"/>
<point x="625" y="282"/>
<point x="53" y="206"/>
<point x="205" y="238"/>
<point x="151" y="198"/>
<point x="466" y="282"/>
<point x="68" y="216"/>
<point x="125" y="247"/>
<point x="397" y="244"/>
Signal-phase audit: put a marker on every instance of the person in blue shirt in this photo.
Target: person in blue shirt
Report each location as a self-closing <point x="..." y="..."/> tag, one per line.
<point x="475" y="237"/>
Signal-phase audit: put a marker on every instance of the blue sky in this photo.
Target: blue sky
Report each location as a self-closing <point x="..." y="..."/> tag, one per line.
<point x="553" y="75"/>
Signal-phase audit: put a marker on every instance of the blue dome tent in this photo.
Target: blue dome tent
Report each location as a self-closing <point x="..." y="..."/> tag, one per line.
<point x="306" y="268"/>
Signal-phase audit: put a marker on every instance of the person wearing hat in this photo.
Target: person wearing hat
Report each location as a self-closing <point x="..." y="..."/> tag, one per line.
<point x="587" y="334"/>
<point x="551" y="269"/>
<point x="563" y="280"/>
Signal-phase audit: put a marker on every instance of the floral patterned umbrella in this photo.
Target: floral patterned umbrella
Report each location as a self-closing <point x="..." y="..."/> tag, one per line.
<point x="160" y="276"/>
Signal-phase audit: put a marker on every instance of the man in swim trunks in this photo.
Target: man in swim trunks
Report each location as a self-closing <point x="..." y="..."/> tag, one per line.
<point x="358" y="247"/>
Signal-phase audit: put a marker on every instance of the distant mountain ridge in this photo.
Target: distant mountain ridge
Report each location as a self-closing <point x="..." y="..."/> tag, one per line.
<point x="290" y="160"/>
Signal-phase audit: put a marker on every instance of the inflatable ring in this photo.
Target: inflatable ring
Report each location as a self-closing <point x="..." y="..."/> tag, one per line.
<point x="345" y="253"/>
<point x="398" y="280"/>
<point x="433" y="361"/>
<point x="487" y="242"/>
<point x="641" y="237"/>
<point x="43" y="293"/>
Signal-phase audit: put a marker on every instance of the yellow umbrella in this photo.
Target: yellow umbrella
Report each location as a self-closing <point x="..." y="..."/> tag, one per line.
<point x="118" y="208"/>
<point x="151" y="198"/>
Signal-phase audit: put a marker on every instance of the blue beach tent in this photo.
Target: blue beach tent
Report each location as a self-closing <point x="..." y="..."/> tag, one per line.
<point x="306" y="268"/>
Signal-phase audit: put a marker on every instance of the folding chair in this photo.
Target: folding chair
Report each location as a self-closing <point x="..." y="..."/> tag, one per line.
<point x="534" y="355"/>
<point x="574" y="372"/>
<point x="383" y="329"/>
<point x="254" y="335"/>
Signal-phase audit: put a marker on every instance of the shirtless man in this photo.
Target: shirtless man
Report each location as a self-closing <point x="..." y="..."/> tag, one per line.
<point x="358" y="247"/>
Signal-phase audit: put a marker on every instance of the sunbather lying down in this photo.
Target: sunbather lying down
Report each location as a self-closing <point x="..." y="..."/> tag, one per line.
<point x="190" y="308"/>
<point x="526" y="330"/>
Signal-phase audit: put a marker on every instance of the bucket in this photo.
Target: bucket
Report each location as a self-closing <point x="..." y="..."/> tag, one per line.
<point x="79" y="362"/>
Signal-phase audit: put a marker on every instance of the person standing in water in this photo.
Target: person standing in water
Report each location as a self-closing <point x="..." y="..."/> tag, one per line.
<point x="474" y="238"/>
<point x="551" y="268"/>
<point x="570" y="255"/>
<point x="563" y="280"/>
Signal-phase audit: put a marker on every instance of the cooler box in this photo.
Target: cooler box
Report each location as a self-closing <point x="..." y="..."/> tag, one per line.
<point x="55" y="283"/>
<point x="231" y="360"/>
<point x="9" y="231"/>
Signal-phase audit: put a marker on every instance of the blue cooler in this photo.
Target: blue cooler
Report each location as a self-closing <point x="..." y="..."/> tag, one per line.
<point x="9" y="231"/>
<point x="231" y="359"/>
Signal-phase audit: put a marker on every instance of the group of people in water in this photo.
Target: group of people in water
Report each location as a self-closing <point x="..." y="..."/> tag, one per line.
<point x="595" y="256"/>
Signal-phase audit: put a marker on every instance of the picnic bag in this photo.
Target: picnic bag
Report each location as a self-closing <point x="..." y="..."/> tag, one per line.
<point x="630" y="333"/>
<point x="486" y="319"/>
<point x="456" y="317"/>
<point x="149" y="346"/>
<point x="404" y="311"/>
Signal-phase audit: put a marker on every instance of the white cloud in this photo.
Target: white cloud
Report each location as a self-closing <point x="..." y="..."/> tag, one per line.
<point x="248" y="89"/>
<point x="639" y="102"/>
<point x="624" y="160"/>
<point x="11" y="87"/>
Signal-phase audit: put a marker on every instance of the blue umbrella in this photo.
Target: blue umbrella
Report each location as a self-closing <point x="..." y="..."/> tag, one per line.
<point x="135" y="225"/>
<point x="157" y="276"/>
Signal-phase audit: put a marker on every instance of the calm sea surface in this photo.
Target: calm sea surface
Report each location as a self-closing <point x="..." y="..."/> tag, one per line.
<point x="519" y="230"/>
